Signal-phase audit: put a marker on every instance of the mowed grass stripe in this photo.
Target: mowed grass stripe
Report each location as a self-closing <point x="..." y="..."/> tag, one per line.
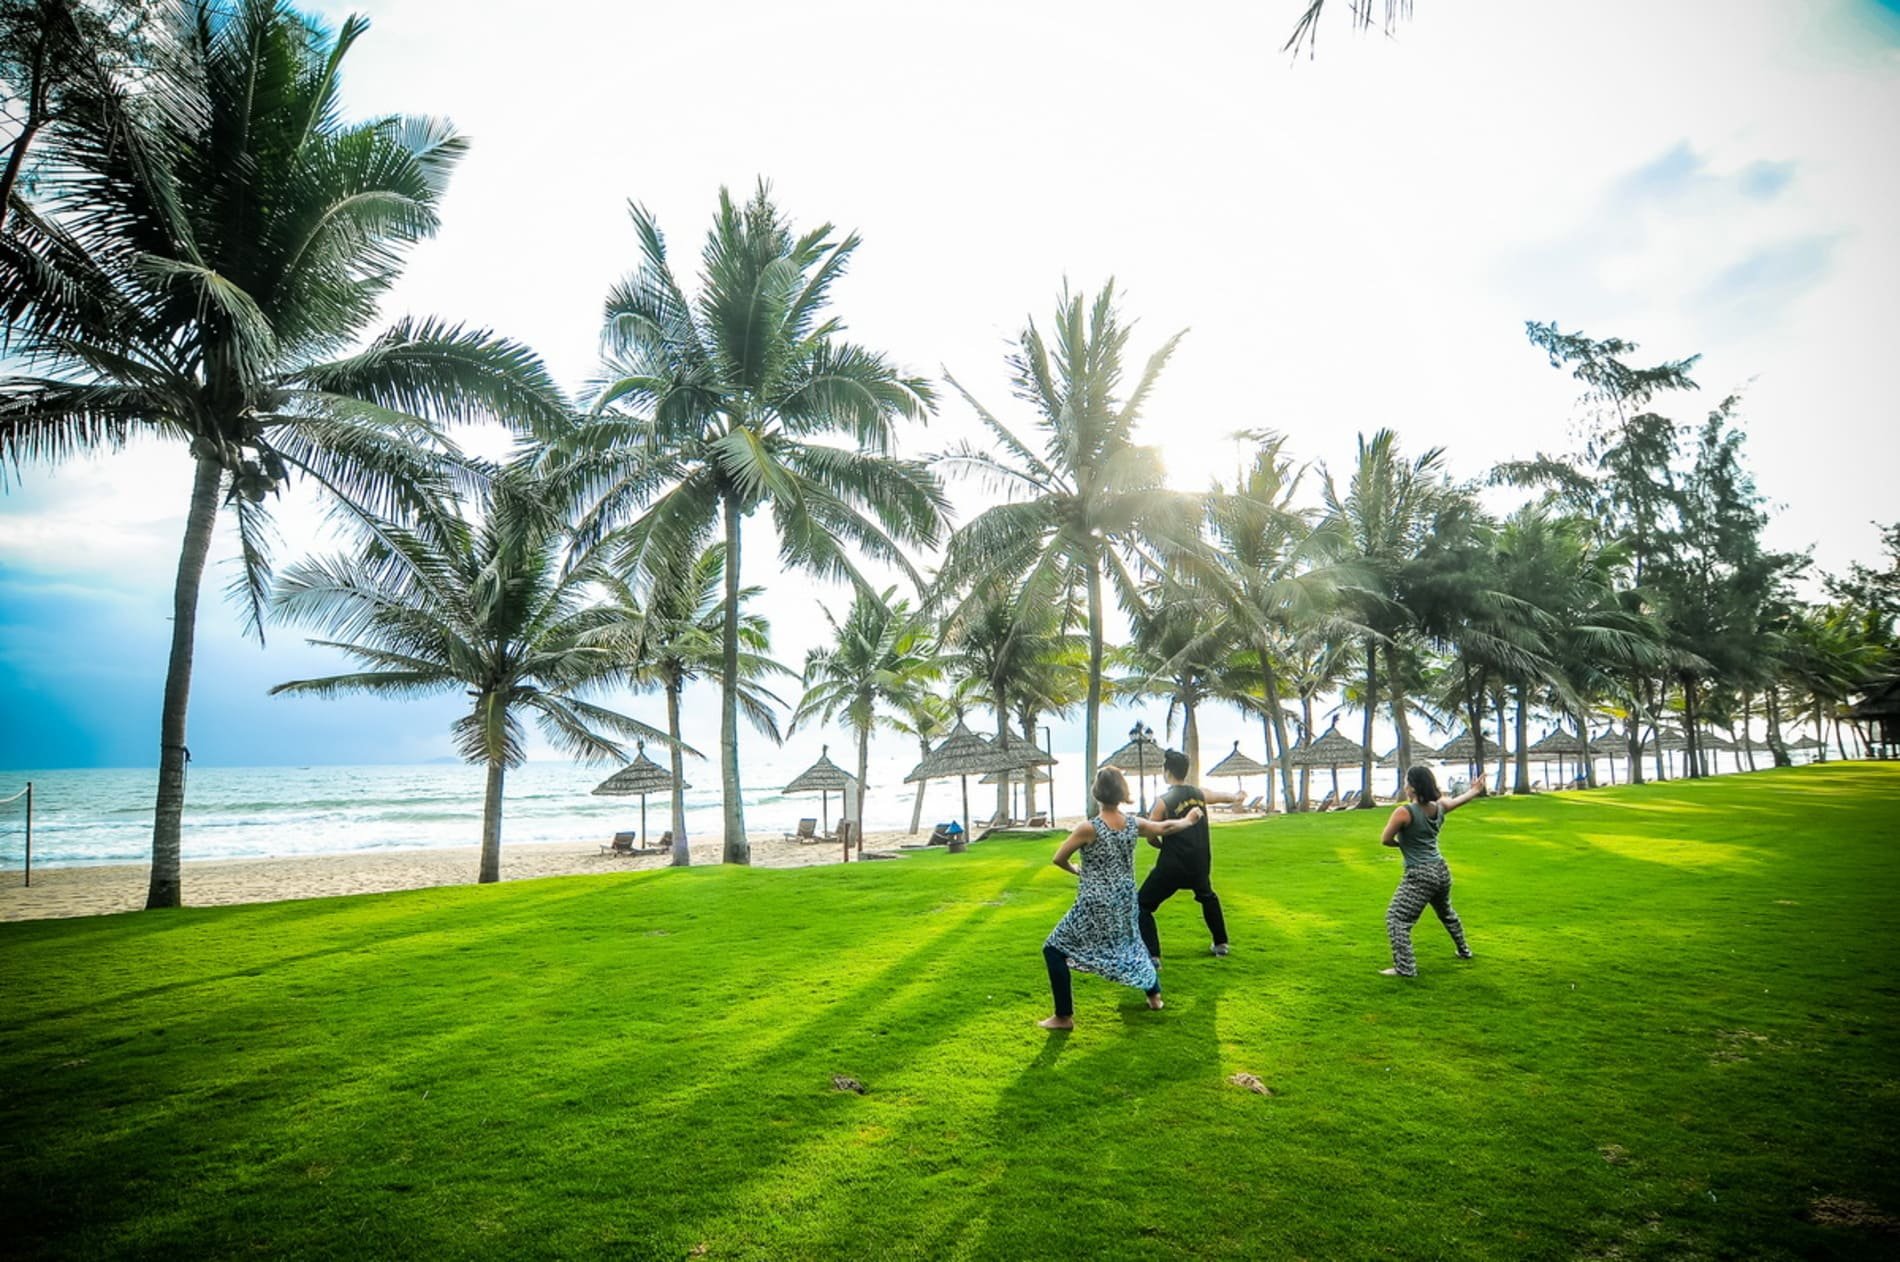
<point x="1678" y="1039"/>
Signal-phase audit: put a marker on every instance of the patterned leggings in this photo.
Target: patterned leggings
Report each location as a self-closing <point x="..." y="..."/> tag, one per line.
<point x="1424" y="884"/>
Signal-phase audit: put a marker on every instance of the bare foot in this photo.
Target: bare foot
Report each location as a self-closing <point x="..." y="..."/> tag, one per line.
<point x="1154" y="1001"/>
<point x="1057" y="1023"/>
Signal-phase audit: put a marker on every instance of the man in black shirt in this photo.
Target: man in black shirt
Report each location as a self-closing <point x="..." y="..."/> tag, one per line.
<point x="1185" y="857"/>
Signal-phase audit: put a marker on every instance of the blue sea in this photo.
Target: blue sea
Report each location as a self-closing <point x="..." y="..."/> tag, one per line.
<point x="105" y="815"/>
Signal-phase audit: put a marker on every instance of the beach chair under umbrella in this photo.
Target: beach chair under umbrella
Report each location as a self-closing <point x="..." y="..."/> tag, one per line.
<point x="641" y="776"/>
<point x="963" y="754"/>
<point x="1026" y="775"/>
<point x="1714" y="743"/>
<point x="824" y="778"/>
<point x="1237" y="766"/>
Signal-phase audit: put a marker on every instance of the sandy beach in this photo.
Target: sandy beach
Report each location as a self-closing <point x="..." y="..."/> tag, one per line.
<point x="101" y="889"/>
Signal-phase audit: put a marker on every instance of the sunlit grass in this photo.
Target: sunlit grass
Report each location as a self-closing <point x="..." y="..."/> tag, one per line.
<point x="1678" y="1039"/>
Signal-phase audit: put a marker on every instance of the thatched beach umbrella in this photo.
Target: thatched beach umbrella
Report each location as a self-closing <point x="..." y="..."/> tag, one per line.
<point x="963" y="754"/>
<point x="641" y="776"/>
<point x="1237" y="765"/>
<point x="1464" y="748"/>
<point x="1560" y="744"/>
<point x="824" y="778"/>
<point x="1140" y="755"/>
<point x="1332" y="751"/>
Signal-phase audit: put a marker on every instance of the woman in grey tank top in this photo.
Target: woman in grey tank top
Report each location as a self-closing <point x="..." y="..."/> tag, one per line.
<point x="1413" y="828"/>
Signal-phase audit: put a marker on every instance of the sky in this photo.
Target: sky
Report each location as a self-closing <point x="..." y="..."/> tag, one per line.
<point x="1352" y="241"/>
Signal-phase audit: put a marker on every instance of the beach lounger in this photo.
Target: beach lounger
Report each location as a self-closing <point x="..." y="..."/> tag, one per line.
<point x="621" y="844"/>
<point x="807" y="830"/>
<point x="1328" y="802"/>
<point x="1257" y="806"/>
<point x="1038" y="821"/>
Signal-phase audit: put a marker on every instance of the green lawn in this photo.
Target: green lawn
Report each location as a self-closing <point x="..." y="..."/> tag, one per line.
<point x="1679" y="1039"/>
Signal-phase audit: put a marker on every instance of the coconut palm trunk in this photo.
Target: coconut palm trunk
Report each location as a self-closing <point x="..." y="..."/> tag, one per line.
<point x="1775" y="747"/>
<point x="917" y="807"/>
<point x="1276" y="719"/>
<point x="737" y="849"/>
<point x="1693" y="766"/>
<point x="1092" y="737"/>
<point x="682" y="853"/>
<point x="166" y="889"/>
<point x="1029" y="774"/>
<point x="864" y="767"/>
<point x="1404" y="746"/>
<point x="1474" y="716"/>
<point x="1005" y="791"/>
<point x="491" y="824"/>
<point x="1589" y="763"/>
<point x="1504" y="737"/>
<point x="1372" y="707"/>
<point x="1306" y="736"/>
<point x="1191" y="740"/>
<point x="1523" y="782"/>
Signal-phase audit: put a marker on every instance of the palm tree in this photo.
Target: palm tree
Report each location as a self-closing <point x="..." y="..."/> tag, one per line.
<point x="1000" y="645"/>
<point x="501" y="610"/>
<point x="711" y="410"/>
<point x="1317" y="663"/>
<point x="677" y="614"/>
<point x="1279" y="575"/>
<point x="1090" y="498"/>
<point x="201" y="263"/>
<point x="883" y="657"/>
<point x="1177" y="651"/>
<point x="1384" y="518"/>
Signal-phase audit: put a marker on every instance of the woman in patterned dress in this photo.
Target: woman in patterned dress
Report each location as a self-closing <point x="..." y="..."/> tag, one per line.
<point x="1101" y="933"/>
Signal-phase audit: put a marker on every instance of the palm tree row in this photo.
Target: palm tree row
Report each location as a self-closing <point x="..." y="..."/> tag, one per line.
<point x="201" y="259"/>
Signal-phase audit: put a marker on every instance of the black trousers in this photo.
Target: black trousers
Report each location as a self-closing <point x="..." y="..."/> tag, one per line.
<point x="1059" y="987"/>
<point x="1161" y="885"/>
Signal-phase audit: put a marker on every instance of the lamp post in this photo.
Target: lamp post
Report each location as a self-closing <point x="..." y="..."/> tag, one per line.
<point x="1141" y="734"/>
<point x="1047" y="748"/>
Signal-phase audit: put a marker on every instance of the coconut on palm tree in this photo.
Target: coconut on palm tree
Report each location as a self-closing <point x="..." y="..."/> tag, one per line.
<point x="504" y="610"/>
<point x="1089" y="500"/>
<point x="746" y="399"/>
<point x="202" y="263"/>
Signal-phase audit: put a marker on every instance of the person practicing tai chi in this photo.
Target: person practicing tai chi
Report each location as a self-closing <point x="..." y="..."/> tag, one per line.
<point x="1413" y="828"/>
<point x="1186" y="860"/>
<point x="1099" y="935"/>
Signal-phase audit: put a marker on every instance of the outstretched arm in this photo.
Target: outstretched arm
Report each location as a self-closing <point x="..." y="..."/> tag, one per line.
<point x="1158" y="810"/>
<point x="1477" y="790"/>
<point x="1235" y="798"/>
<point x="1082" y="836"/>
<point x="1154" y="828"/>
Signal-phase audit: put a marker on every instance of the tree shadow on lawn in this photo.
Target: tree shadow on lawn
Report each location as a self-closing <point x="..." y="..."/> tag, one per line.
<point x="1058" y="1127"/>
<point x="741" y="1136"/>
<point x="362" y="926"/>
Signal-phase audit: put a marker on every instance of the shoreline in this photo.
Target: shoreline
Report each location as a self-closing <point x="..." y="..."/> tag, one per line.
<point x="109" y="888"/>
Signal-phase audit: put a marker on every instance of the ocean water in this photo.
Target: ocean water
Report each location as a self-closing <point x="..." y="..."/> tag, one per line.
<point x="105" y="815"/>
